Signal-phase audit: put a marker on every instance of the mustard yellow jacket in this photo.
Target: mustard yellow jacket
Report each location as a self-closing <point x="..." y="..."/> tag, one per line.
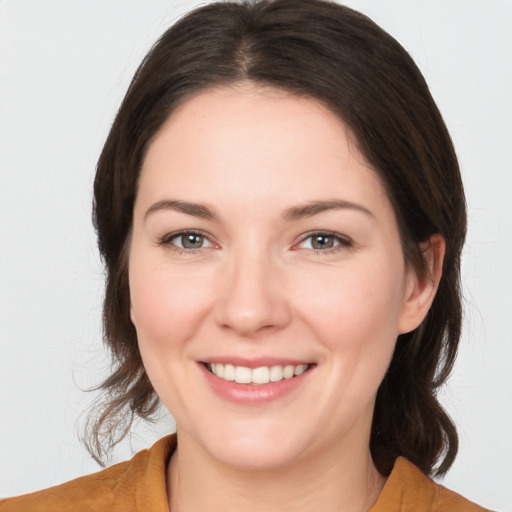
<point x="139" y="485"/>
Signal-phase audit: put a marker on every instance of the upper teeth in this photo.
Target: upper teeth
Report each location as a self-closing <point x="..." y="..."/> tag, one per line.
<point x="261" y="375"/>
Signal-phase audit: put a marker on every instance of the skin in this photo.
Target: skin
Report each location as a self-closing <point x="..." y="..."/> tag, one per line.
<point x="256" y="287"/>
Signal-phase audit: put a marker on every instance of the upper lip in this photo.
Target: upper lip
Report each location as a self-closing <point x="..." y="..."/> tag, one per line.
<point x="255" y="362"/>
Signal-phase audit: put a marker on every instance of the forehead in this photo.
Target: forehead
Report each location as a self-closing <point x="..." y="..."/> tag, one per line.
<point x="256" y="143"/>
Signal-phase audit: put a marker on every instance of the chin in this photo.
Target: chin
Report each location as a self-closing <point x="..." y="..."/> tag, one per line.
<point x="255" y="448"/>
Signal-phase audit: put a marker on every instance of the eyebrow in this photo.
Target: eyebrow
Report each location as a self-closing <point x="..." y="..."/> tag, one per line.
<point x="294" y="213"/>
<point x="315" y="207"/>
<point x="195" y="209"/>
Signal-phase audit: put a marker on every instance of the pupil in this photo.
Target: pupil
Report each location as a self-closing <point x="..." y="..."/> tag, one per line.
<point x="322" y="242"/>
<point x="192" y="241"/>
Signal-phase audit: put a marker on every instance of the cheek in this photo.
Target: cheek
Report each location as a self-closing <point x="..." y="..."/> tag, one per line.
<point x="353" y="305"/>
<point x="165" y="306"/>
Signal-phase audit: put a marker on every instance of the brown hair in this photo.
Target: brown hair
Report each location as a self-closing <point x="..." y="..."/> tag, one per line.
<point x="339" y="56"/>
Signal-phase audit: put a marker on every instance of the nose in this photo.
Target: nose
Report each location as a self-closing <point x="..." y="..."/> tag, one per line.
<point x="253" y="298"/>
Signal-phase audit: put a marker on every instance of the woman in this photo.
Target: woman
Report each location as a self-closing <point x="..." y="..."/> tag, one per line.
<point x="281" y="216"/>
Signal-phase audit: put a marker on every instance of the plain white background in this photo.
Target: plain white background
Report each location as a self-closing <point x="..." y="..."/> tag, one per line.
<point x="64" y="67"/>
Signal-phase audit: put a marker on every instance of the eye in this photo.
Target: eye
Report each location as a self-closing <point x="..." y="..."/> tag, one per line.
<point x="187" y="240"/>
<point x="324" y="242"/>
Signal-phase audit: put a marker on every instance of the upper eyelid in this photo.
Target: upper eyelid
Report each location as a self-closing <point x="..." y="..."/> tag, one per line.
<point x="343" y="242"/>
<point x="334" y="234"/>
<point x="170" y="236"/>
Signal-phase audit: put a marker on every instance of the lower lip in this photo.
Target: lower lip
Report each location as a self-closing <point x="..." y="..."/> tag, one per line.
<point x="248" y="394"/>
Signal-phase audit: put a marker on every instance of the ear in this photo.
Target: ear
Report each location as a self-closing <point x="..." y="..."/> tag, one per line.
<point x="421" y="290"/>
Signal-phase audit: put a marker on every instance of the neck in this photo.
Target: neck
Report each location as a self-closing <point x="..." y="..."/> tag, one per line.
<point x="343" y="480"/>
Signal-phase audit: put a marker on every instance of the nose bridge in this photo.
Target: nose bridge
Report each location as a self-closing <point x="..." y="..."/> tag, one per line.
<point x="252" y="298"/>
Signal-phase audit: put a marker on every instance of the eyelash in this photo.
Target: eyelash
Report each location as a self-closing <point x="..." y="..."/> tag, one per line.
<point x="166" y="241"/>
<point x="341" y="242"/>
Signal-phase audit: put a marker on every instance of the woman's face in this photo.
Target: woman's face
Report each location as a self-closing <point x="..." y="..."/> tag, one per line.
<point x="264" y="245"/>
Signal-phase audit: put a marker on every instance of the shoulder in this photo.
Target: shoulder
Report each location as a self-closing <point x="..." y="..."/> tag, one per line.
<point x="92" y="492"/>
<point x="408" y="490"/>
<point x="122" y="486"/>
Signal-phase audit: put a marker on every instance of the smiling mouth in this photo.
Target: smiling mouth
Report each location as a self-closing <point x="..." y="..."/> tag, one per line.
<point x="256" y="376"/>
